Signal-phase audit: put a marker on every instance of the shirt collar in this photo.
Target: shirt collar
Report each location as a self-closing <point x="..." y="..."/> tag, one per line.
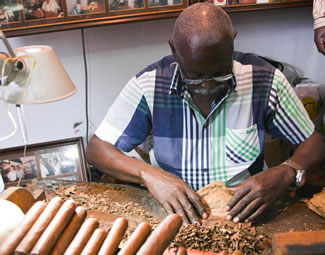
<point x="176" y="85"/>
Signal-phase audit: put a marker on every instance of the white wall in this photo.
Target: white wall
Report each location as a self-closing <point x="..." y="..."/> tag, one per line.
<point x="115" y="53"/>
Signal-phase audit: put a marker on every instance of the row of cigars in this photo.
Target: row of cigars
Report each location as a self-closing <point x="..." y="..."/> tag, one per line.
<point x="61" y="227"/>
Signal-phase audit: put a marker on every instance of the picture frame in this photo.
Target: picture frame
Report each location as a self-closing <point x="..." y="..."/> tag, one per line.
<point x="61" y="159"/>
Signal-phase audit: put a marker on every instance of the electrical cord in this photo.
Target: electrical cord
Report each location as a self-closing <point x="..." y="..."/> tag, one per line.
<point x="86" y="83"/>
<point x="86" y="92"/>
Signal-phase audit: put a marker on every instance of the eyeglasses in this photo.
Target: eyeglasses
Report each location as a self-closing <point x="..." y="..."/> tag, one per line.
<point x="196" y="82"/>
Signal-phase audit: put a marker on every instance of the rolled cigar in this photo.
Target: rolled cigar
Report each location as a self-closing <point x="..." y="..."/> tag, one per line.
<point x="159" y="239"/>
<point x="95" y="242"/>
<point x="28" y="242"/>
<point x="52" y="233"/>
<point x="181" y="251"/>
<point x="70" y="231"/>
<point x="82" y="237"/>
<point x="114" y="237"/>
<point x="138" y="238"/>
<point x="10" y="244"/>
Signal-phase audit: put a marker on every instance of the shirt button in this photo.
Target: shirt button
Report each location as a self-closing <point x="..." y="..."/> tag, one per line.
<point x="205" y="170"/>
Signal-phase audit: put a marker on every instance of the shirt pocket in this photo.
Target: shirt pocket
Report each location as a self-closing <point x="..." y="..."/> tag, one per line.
<point x="242" y="145"/>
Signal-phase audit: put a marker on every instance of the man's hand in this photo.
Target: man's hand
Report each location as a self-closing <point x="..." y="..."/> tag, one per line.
<point x="319" y="38"/>
<point x="257" y="193"/>
<point x="175" y="195"/>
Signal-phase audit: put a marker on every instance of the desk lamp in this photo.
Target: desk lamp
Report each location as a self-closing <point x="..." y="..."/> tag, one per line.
<point x="32" y="75"/>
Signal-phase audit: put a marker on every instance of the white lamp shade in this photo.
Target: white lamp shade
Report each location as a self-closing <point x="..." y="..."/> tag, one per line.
<point x="48" y="82"/>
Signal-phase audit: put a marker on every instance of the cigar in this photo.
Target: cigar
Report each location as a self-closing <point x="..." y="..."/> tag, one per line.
<point x="95" y="242"/>
<point x="10" y="244"/>
<point x="114" y="237"/>
<point x="138" y="238"/>
<point x="82" y="237"/>
<point x="181" y="251"/>
<point x="28" y="242"/>
<point x="70" y="231"/>
<point x="52" y="233"/>
<point x="160" y="238"/>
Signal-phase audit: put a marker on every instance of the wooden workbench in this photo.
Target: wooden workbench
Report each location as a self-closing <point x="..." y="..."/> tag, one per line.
<point x="285" y="216"/>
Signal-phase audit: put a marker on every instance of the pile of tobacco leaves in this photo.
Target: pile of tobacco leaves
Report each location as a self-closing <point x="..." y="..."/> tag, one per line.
<point x="219" y="238"/>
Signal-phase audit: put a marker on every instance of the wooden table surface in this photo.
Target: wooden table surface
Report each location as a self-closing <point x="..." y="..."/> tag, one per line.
<point x="285" y="216"/>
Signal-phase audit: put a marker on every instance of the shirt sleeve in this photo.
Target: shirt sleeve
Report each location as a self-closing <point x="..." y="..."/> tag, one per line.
<point x="128" y="121"/>
<point x="319" y="13"/>
<point x="287" y="118"/>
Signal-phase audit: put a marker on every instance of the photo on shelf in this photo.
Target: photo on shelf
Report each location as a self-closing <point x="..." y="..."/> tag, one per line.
<point x="63" y="159"/>
<point x="9" y="12"/>
<point x="247" y="1"/>
<point x="80" y="7"/>
<point x="164" y="2"/>
<point x="232" y="2"/>
<point x="42" y="9"/>
<point x="115" y="5"/>
<point x="218" y="2"/>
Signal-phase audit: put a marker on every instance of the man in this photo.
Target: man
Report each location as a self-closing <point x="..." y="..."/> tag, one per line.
<point x="12" y="176"/>
<point x="51" y="6"/>
<point x="207" y="109"/>
<point x="44" y="170"/>
<point x="19" y="172"/>
<point x="319" y="25"/>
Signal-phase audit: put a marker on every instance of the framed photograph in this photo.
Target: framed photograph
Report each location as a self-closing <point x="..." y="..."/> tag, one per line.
<point x="85" y="7"/>
<point x="9" y="13"/>
<point x="42" y="9"/>
<point x="63" y="159"/>
<point x="164" y="2"/>
<point x="125" y="4"/>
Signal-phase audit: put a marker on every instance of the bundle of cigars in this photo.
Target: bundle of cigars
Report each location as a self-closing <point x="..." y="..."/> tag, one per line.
<point x="61" y="227"/>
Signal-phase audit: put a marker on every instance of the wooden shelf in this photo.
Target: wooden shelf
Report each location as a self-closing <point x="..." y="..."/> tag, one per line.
<point x="69" y="25"/>
<point x="120" y="17"/>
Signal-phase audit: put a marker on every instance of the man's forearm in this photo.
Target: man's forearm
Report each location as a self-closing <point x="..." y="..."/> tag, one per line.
<point x="169" y="190"/>
<point x="114" y="163"/>
<point x="310" y="152"/>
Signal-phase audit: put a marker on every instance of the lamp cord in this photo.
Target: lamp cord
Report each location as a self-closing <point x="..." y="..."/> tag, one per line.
<point x="86" y="83"/>
<point x="86" y="92"/>
<point x="22" y="122"/>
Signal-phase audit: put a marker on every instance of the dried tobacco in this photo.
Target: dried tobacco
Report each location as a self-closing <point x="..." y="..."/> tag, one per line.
<point x="222" y="238"/>
<point x="101" y="198"/>
<point x="103" y="202"/>
<point x="215" y="238"/>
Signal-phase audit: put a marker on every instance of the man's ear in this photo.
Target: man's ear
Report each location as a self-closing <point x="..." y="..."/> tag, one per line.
<point x="171" y="45"/>
<point x="235" y="33"/>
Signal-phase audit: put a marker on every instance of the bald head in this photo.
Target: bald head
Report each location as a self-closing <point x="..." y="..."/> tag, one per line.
<point x="203" y="25"/>
<point x="203" y="40"/>
<point x="205" y="21"/>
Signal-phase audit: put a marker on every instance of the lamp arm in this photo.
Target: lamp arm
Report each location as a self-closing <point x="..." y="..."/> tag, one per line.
<point x="5" y="41"/>
<point x="15" y="67"/>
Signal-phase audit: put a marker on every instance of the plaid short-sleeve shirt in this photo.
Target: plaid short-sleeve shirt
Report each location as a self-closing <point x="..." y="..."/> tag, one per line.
<point x="199" y="150"/>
